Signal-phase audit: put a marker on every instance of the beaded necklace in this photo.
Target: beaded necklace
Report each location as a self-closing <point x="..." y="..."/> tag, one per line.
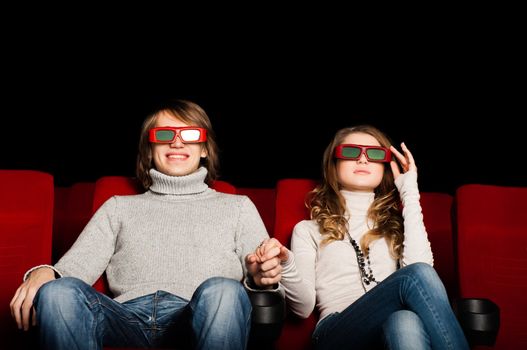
<point x="366" y="278"/>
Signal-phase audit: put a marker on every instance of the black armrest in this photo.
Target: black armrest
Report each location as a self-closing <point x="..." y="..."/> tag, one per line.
<point x="267" y="318"/>
<point x="480" y="320"/>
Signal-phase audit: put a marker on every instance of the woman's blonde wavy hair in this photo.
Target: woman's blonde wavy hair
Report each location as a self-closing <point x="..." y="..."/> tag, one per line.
<point x="190" y="113"/>
<point x="328" y="207"/>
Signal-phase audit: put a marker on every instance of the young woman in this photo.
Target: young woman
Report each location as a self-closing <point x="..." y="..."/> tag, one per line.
<point x="174" y="255"/>
<point x="366" y="265"/>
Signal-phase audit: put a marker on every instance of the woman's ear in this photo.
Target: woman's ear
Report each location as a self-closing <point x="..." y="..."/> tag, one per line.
<point x="204" y="152"/>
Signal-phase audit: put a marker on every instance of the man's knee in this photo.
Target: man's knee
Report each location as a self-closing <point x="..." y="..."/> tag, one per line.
<point x="59" y="293"/>
<point x="222" y="291"/>
<point x="222" y="285"/>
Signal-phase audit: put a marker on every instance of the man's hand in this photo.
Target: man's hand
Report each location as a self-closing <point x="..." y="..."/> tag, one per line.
<point x="21" y="305"/>
<point x="264" y="264"/>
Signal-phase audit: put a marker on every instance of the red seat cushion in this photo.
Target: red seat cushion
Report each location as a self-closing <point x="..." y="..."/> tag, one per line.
<point x="492" y="254"/>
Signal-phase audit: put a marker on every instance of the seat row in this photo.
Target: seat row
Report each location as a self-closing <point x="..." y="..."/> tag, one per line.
<point x="478" y="236"/>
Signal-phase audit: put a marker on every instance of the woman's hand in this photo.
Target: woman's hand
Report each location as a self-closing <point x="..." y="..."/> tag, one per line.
<point x="264" y="264"/>
<point x="407" y="161"/>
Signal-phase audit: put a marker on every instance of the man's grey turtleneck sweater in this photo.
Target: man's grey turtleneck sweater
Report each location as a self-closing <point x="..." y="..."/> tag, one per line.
<point x="172" y="238"/>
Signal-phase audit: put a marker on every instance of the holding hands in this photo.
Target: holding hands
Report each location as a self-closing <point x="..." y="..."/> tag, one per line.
<point x="264" y="264"/>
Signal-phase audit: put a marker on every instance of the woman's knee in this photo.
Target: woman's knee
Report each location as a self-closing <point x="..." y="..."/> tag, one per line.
<point x="404" y="329"/>
<point x="423" y="272"/>
<point x="402" y="321"/>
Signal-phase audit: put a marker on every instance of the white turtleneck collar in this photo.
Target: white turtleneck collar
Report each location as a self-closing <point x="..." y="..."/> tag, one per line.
<point x="358" y="203"/>
<point x="193" y="183"/>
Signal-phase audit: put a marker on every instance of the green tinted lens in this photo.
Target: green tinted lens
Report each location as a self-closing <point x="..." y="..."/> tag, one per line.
<point x="376" y="154"/>
<point x="165" y="135"/>
<point x="350" y="152"/>
<point x="190" y="135"/>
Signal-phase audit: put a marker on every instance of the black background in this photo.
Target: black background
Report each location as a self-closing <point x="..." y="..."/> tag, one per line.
<point x="74" y="107"/>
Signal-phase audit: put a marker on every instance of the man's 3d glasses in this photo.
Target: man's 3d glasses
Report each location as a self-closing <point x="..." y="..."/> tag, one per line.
<point x="187" y="134"/>
<point x="354" y="152"/>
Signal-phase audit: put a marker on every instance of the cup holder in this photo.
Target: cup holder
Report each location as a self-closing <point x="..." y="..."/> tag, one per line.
<point x="480" y="320"/>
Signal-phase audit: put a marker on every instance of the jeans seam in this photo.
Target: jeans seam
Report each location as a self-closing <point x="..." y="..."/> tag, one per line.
<point x="153" y="326"/>
<point x="95" y="307"/>
<point x="432" y="309"/>
<point x="124" y="319"/>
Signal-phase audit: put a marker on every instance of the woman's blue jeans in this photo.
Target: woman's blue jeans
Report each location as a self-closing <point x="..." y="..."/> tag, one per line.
<point x="408" y="310"/>
<point x="73" y="315"/>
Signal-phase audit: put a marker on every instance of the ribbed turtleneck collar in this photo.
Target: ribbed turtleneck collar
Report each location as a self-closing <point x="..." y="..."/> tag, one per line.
<point x="193" y="183"/>
<point x="358" y="203"/>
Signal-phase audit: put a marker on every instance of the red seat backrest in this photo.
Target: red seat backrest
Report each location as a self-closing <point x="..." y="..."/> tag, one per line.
<point x="290" y="209"/>
<point x="224" y="187"/>
<point x="108" y="186"/>
<point x="492" y="254"/>
<point x="26" y="219"/>
<point x="264" y="199"/>
<point x="437" y="215"/>
<point x="72" y="211"/>
<point x="290" y="206"/>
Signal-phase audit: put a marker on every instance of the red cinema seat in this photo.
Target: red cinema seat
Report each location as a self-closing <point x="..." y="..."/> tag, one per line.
<point x="437" y="215"/>
<point x="291" y="209"/>
<point x="290" y="206"/>
<point x="26" y="219"/>
<point x="264" y="199"/>
<point x="73" y="210"/>
<point x="492" y="254"/>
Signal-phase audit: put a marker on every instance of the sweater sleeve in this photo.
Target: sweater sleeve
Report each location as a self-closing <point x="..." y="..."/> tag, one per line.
<point x="416" y="245"/>
<point x="298" y="274"/>
<point x="251" y="230"/>
<point x="89" y="256"/>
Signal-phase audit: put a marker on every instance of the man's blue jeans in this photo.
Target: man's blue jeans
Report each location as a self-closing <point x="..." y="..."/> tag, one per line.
<point x="408" y="310"/>
<point x="73" y="315"/>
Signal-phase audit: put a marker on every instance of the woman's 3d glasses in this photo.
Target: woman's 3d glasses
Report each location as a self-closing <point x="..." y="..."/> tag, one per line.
<point x="187" y="134"/>
<point x="354" y="152"/>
